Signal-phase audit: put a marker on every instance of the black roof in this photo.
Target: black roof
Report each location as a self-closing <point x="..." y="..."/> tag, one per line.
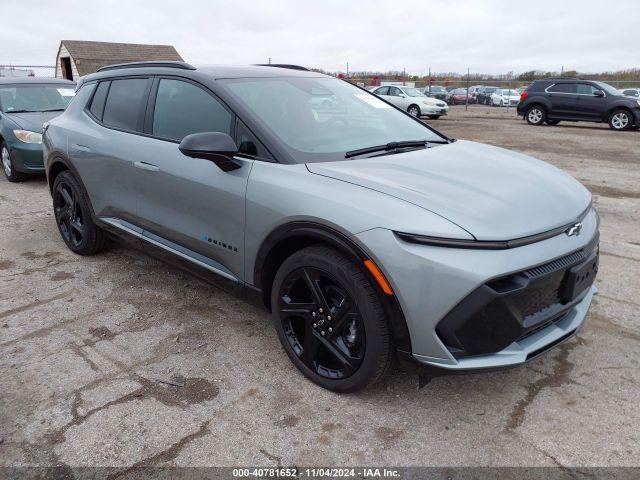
<point x="34" y="80"/>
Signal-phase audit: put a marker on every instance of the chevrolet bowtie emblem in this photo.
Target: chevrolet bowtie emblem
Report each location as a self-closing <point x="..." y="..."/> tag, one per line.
<point x="574" y="230"/>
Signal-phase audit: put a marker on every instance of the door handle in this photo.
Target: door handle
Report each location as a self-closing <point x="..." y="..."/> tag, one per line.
<point x="146" y="166"/>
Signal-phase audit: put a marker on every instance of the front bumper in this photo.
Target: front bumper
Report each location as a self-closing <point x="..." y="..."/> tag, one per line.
<point x="430" y="282"/>
<point x="26" y="157"/>
<point x="636" y="114"/>
<point x="434" y="110"/>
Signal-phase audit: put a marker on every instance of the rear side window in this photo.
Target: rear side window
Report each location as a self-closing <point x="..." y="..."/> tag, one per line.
<point x="97" y="104"/>
<point x="563" y="88"/>
<point x="182" y="108"/>
<point x="125" y="102"/>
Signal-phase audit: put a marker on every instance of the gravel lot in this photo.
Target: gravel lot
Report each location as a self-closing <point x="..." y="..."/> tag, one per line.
<point x="119" y="360"/>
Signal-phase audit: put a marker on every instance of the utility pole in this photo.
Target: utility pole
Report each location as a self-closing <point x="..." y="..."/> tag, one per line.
<point x="562" y="70"/>
<point x="429" y="80"/>
<point x="404" y="75"/>
<point x="269" y="60"/>
<point x="466" y="105"/>
<point x="347" y="71"/>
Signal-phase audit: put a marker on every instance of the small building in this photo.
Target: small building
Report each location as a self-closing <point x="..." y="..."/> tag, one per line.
<point x="79" y="58"/>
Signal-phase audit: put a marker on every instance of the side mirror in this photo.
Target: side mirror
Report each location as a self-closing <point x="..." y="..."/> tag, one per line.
<point x="214" y="146"/>
<point x="402" y="95"/>
<point x="598" y="93"/>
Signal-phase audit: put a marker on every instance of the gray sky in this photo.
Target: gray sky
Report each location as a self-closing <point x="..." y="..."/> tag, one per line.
<point x="491" y="36"/>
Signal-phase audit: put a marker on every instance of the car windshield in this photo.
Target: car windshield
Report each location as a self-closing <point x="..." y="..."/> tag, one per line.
<point x="286" y="106"/>
<point x="608" y="88"/>
<point x="437" y="89"/>
<point x="413" y="92"/>
<point x="35" y="98"/>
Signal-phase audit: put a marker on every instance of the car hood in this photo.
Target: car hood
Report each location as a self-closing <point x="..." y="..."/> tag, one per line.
<point x="32" y="121"/>
<point x="493" y="193"/>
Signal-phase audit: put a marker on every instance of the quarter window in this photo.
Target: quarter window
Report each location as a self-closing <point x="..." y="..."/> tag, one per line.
<point x="97" y="104"/>
<point x="123" y="108"/>
<point x="563" y="88"/>
<point x="182" y="109"/>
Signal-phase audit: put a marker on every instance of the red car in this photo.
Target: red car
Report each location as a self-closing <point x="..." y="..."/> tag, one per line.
<point x="459" y="97"/>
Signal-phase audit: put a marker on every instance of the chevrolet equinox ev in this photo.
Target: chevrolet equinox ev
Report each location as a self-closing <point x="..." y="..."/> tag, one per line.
<point x="367" y="234"/>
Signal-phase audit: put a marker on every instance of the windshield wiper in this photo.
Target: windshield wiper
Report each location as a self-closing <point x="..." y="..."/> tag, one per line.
<point x="53" y="110"/>
<point x="385" y="147"/>
<point x="20" y="111"/>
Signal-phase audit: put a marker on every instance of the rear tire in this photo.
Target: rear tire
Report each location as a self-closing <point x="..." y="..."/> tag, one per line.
<point x="620" y="120"/>
<point x="7" y="165"/>
<point x="345" y="345"/>
<point x="536" y="115"/>
<point x="72" y="212"/>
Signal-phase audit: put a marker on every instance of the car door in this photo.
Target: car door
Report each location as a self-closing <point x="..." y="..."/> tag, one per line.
<point x="398" y="98"/>
<point x="104" y="149"/>
<point x="383" y="92"/>
<point x="186" y="205"/>
<point x="592" y="102"/>
<point x="564" y="100"/>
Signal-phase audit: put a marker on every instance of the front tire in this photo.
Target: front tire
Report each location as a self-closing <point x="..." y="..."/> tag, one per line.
<point x="535" y="115"/>
<point x="72" y="212"/>
<point x="330" y="320"/>
<point x="414" y="111"/>
<point x="620" y="120"/>
<point x="7" y="165"/>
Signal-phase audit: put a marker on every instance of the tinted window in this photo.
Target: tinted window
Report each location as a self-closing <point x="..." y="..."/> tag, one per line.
<point x="563" y="88"/>
<point x="584" y="89"/>
<point x="183" y="108"/>
<point x="124" y="103"/>
<point x="248" y="144"/>
<point x="382" y="91"/>
<point x="97" y="104"/>
<point x="631" y="93"/>
<point x="395" y="91"/>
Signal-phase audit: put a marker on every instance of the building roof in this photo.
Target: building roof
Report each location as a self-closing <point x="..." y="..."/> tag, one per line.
<point x="90" y="56"/>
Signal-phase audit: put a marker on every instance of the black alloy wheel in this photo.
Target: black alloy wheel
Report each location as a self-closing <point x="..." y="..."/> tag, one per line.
<point x="322" y="323"/>
<point x="72" y="212"/>
<point x="68" y="214"/>
<point x="330" y="320"/>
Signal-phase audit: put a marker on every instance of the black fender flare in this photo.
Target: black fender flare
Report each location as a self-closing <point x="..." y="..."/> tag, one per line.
<point x="321" y="233"/>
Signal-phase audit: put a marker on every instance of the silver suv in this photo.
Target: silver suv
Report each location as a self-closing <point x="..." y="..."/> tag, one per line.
<point x="365" y="232"/>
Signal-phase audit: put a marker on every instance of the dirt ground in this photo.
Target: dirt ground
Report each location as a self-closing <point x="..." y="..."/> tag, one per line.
<point x="119" y="360"/>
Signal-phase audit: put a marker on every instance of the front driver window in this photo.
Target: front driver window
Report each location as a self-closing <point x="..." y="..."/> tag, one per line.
<point x="183" y="108"/>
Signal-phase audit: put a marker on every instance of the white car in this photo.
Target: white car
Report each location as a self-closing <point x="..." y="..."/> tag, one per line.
<point x="505" y="97"/>
<point x="412" y="101"/>
<point x="631" y="92"/>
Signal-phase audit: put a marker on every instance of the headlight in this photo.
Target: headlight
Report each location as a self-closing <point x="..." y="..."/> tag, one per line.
<point x="27" y="136"/>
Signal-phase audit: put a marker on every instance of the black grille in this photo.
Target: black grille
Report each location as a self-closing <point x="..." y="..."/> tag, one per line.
<point x="513" y="307"/>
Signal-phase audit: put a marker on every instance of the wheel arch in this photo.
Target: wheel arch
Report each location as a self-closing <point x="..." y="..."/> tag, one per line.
<point x="59" y="164"/>
<point x="607" y="116"/>
<point x="291" y="237"/>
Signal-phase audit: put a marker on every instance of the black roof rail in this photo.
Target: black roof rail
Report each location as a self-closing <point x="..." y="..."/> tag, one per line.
<point x="562" y="78"/>
<point x="283" y="65"/>
<point x="166" y="64"/>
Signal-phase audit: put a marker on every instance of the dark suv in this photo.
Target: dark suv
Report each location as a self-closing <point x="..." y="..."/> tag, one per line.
<point x="576" y="100"/>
